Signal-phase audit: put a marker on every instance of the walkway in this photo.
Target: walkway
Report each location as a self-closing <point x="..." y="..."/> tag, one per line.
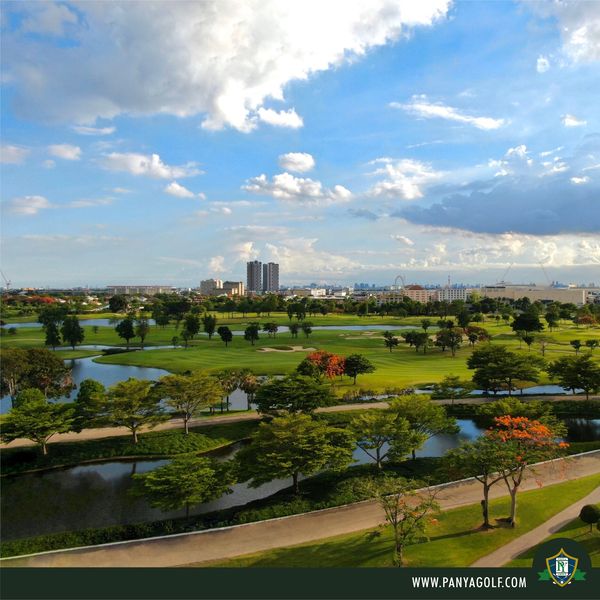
<point x="535" y="536"/>
<point x="220" y="544"/>
<point x="104" y="432"/>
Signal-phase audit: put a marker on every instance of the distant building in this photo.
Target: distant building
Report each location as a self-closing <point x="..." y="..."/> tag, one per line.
<point x="450" y="294"/>
<point x="577" y="296"/>
<point x="143" y="290"/>
<point x="270" y="277"/>
<point x="210" y="287"/>
<point x="233" y="288"/>
<point x="253" y="276"/>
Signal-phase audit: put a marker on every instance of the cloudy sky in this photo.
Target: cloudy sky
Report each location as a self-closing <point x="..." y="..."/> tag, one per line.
<point x="149" y="142"/>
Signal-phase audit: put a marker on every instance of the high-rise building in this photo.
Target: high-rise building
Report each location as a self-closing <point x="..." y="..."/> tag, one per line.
<point x="233" y="288"/>
<point x="209" y="287"/>
<point x="270" y="277"/>
<point x="253" y="276"/>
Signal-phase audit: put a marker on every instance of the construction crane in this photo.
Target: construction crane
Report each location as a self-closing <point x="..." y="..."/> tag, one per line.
<point x="7" y="282"/>
<point x="545" y="273"/>
<point x="503" y="278"/>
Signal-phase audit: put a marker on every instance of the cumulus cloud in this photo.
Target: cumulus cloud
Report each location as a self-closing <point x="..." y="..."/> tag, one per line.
<point x="421" y="107"/>
<point x="580" y="180"/>
<point x="542" y="64"/>
<point x="298" y="162"/>
<point x="12" y="155"/>
<point x="28" y="205"/>
<point x="571" y="121"/>
<point x="297" y="189"/>
<point x="579" y="24"/>
<point x="403" y="178"/>
<point x="147" y="165"/>
<point x="176" y="189"/>
<point x="217" y="264"/>
<point x="47" y="18"/>
<point x="283" y="118"/>
<point x="219" y="58"/>
<point x="85" y="130"/>
<point x="65" y="151"/>
<point x="403" y="240"/>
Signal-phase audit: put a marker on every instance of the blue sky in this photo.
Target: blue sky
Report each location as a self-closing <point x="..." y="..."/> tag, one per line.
<point x="348" y="141"/>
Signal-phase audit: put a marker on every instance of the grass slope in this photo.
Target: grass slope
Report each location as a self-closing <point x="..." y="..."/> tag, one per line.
<point x="454" y="541"/>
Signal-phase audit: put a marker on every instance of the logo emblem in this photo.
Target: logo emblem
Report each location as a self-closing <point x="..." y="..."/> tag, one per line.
<point x="562" y="568"/>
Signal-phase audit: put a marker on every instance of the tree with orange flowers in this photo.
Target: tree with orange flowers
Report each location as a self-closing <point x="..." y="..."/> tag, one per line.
<point x="322" y="363"/>
<point x="520" y="443"/>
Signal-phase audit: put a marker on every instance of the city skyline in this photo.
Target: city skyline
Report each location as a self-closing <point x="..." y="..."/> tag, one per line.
<point x="361" y="147"/>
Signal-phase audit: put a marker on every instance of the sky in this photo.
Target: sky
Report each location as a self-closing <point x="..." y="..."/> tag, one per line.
<point x="349" y="141"/>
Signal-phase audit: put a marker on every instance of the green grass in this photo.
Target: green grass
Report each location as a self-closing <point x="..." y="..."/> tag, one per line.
<point x="454" y="541"/>
<point x="154" y="443"/>
<point x="575" y="530"/>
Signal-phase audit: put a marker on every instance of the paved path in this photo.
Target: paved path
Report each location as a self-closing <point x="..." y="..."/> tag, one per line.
<point x="105" y="432"/>
<point x="220" y="544"/>
<point x="513" y="549"/>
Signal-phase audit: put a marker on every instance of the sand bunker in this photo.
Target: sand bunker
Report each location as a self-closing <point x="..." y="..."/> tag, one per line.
<point x="290" y="349"/>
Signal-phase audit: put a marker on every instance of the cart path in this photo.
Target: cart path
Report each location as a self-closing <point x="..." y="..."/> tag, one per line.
<point x="227" y="542"/>
<point x="515" y="548"/>
<point x="252" y="415"/>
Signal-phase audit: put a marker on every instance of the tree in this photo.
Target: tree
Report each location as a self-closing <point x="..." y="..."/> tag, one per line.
<point x="249" y="384"/>
<point x="191" y="324"/>
<point x="590" y="514"/>
<point x="271" y="329"/>
<point x="229" y="380"/>
<point x="142" y="329"/>
<point x="35" y="419"/>
<point x="132" y="404"/>
<point x="552" y="318"/>
<point x="209" y="322"/>
<point x="184" y="482"/>
<point x="357" y="364"/>
<point x="406" y="510"/>
<point x="306" y="328"/>
<point x="188" y="395"/>
<point x="373" y="430"/>
<point x="52" y="335"/>
<point x="186" y="336"/>
<point x="521" y="442"/>
<point x="294" y="393"/>
<point x="451" y="388"/>
<point x="421" y="340"/>
<point x="48" y="373"/>
<point x="449" y="338"/>
<point x="424" y="416"/>
<point x="576" y="344"/>
<point x="125" y="329"/>
<point x="225" y="334"/>
<point x="463" y="318"/>
<point x="251" y="332"/>
<point x="118" y="303"/>
<point x="89" y="404"/>
<point x="528" y="339"/>
<point x="52" y="315"/>
<point x="390" y="340"/>
<point x="15" y="366"/>
<point x="294" y="328"/>
<point x="478" y="459"/>
<point x="425" y="324"/>
<point x="72" y="331"/>
<point x="591" y="344"/>
<point x="292" y="446"/>
<point x="321" y="363"/>
<point x="576" y="372"/>
<point x="528" y="321"/>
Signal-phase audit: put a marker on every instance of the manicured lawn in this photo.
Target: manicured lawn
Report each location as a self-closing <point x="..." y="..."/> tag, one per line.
<point x="156" y="443"/>
<point x="575" y="530"/>
<point x="454" y="541"/>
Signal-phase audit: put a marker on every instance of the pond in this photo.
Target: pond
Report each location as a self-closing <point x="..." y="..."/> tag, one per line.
<point x="83" y="322"/>
<point x="96" y="495"/>
<point x="86" y="368"/>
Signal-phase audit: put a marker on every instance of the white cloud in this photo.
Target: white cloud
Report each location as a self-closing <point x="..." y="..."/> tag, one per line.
<point x="579" y="24"/>
<point x="580" y="180"/>
<point x="245" y="251"/>
<point x="12" y="155"/>
<point x="571" y="121"/>
<point x="65" y="151"/>
<point x="84" y="130"/>
<point x="28" y="205"/>
<point x="49" y="164"/>
<point x="403" y="178"/>
<point x="304" y="190"/>
<point x="176" y="189"/>
<point x="542" y="64"/>
<point x="283" y="118"/>
<point x="217" y="264"/>
<point x="220" y="58"/>
<point x="403" y="239"/>
<point x="48" y="18"/>
<point x="121" y="190"/>
<point x="421" y="107"/>
<point x="148" y="165"/>
<point x="298" y="162"/>
<point x="87" y="203"/>
<point x="258" y="231"/>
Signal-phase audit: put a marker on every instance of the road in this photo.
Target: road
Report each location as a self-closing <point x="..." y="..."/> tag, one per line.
<point x="220" y="544"/>
<point x="513" y="549"/>
<point x="105" y="432"/>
